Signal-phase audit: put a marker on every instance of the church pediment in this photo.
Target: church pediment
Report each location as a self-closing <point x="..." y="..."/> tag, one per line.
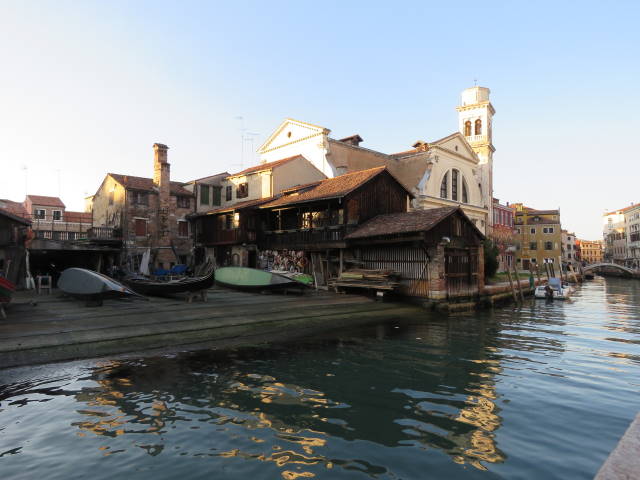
<point x="456" y="144"/>
<point x="291" y="131"/>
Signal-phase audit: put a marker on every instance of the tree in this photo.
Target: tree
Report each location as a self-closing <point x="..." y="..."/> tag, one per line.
<point x="490" y="258"/>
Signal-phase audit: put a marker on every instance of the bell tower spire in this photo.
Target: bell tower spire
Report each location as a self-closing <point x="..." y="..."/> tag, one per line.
<point x="475" y="122"/>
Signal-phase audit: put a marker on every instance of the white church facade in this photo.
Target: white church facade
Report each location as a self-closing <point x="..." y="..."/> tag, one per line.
<point x="454" y="170"/>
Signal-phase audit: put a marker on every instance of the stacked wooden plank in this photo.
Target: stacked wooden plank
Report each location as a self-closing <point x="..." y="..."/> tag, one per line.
<point x="376" y="279"/>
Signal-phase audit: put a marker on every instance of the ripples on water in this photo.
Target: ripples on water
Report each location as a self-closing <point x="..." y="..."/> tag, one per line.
<point x="541" y="392"/>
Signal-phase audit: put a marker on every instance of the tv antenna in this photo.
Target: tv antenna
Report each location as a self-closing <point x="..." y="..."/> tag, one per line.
<point x="25" y="169"/>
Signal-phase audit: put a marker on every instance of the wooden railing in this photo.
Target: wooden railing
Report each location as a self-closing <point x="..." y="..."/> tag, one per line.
<point x="232" y="236"/>
<point x="300" y="238"/>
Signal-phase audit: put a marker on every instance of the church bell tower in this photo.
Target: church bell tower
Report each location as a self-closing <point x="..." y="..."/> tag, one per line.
<point x="475" y="119"/>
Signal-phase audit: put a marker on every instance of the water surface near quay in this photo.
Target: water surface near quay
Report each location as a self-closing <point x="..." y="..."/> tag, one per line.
<point x="544" y="391"/>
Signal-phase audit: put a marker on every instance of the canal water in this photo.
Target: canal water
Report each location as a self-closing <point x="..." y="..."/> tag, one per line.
<point x="540" y="392"/>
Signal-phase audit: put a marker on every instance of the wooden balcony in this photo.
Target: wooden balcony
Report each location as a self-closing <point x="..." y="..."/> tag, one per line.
<point x="228" y="237"/>
<point x="326" y="237"/>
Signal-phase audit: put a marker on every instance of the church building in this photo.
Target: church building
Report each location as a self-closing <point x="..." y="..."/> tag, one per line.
<point x="456" y="170"/>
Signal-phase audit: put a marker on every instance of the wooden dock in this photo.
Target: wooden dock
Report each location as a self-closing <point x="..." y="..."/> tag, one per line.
<point x="59" y="328"/>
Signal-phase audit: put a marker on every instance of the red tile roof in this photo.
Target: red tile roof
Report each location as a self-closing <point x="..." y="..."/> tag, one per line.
<point x="77" y="217"/>
<point x="45" y="201"/>
<point x="15" y="208"/>
<point x="146" y="184"/>
<point x="265" y="166"/>
<point x="14" y="217"/>
<point x="407" y="222"/>
<point x="325" y="189"/>
<point x="633" y="205"/>
<point x="238" y="206"/>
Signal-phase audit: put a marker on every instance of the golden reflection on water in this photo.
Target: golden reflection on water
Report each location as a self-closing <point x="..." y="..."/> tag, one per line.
<point x="115" y="414"/>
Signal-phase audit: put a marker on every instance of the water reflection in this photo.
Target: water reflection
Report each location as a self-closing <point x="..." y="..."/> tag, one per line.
<point x="444" y="398"/>
<point x="422" y="398"/>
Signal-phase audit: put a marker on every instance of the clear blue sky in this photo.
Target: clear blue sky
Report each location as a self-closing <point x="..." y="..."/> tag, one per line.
<point x="86" y="88"/>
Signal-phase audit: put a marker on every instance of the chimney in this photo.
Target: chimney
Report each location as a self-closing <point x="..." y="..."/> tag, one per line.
<point x="421" y="146"/>
<point x="161" y="174"/>
<point x="352" y="140"/>
<point x="161" y="180"/>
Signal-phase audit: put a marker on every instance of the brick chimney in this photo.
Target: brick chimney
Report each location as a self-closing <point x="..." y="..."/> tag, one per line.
<point x="161" y="180"/>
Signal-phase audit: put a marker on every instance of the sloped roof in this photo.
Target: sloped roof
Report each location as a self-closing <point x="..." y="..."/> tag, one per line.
<point x="46" y="201"/>
<point x="406" y="222"/>
<point x="325" y="189"/>
<point x="14" y="208"/>
<point x="634" y="205"/>
<point x="146" y="184"/>
<point x="14" y="217"/>
<point x="78" y="217"/>
<point x="266" y="166"/>
<point x="237" y="206"/>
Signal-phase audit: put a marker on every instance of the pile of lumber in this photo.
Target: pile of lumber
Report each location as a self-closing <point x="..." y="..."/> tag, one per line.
<point x="367" y="278"/>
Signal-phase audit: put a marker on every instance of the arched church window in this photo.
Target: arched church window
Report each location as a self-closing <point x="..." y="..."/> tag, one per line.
<point x="467" y="128"/>
<point x="454" y="184"/>
<point x="478" y="127"/>
<point x="465" y="194"/>
<point x="444" y="186"/>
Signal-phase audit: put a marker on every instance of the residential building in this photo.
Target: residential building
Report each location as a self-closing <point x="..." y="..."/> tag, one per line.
<point x="538" y="236"/>
<point x="225" y="232"/>
<point x="455" y="170"/>
<point x="207" y="191"/>
<point x="632" y="224"/>
<point x="570" y="255"/>
<point x="591" y="251"/>
<point x="614" y="233"/>
<point x="502" y="233"/>
<point x="51" y="220"/>
<point x="147" y="213"/>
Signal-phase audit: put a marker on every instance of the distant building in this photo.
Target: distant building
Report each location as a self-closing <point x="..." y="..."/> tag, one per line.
<point x="503" y="234"/>
<point x="632" y="225"/>
<point x="147" y="213"/>
<point x="591" y="251"/>
<point x="614" y="234"/>
<point x="570" y="255"/>
<point x="51" y="220"/>
<point x="538" y="236"/>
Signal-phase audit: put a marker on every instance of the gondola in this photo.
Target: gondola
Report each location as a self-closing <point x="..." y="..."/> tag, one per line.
<point x="145" y="286"/>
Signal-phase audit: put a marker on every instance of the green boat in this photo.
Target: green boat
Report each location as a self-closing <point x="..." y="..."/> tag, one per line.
<point x="252" y="279"/>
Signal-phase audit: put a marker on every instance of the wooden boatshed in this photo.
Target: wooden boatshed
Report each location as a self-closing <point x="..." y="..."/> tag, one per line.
<point x="437" y="252"/>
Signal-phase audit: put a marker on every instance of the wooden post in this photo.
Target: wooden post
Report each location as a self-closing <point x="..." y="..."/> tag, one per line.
<point x="515" y="271"/>
<point x="341" y="261"/>
<point x="538" y="274"/>
<point x="513" y="291"/>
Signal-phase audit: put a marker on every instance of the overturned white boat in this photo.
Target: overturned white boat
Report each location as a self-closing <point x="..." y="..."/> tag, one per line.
<point x="90" y="285"/>
<point x="555" y="289"/>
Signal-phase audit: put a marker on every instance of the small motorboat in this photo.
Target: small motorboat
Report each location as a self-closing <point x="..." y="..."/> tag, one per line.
<point x="6" y="292"/>
<point x="555" y="289"/>
<point x="92" y="286"/>
<point x="253" y="279"/>
<point x="145" y="286"/>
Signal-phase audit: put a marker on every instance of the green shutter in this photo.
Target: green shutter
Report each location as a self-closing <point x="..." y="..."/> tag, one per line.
<point x="217" y="195"/>
<point x="204" y="194"/>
